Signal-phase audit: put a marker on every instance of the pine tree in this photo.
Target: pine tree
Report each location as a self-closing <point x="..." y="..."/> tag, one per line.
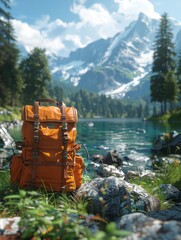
<point x="4" y="17"/>
<point x="11" y="81"/>
<point x="36" y="75"/>
<point x="164" y="65"/>
<point x="179" y="76"/>
<point x="171" y="89"/>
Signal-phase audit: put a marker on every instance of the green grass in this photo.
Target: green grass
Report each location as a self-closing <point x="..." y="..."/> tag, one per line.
<point x="174" y="116"/>
<point x="14" y="113"/>
<point x="166" y="174"/>
<point x="53" y="215"/>
<point x="152" y="187"/>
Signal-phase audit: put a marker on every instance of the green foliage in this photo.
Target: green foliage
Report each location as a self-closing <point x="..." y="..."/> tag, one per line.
<point x="87" y="178"/>
<point x="163" y="84"/>
<point x="92" y="104"/>
<point x="72" y="204"/>
<point x="166" y="174"/>
<point x="11" y="81"/>
<point x="152" y="187"/>
<point x="179" y="75"/>
<point x="36" y="75"/>
<point x="174" y="116"/>
<point x="170" y="173"/>
<point x="41" y="219"/>
<point x="111" y="233"/>
<point x="10" y="114"/>
<point x="4" y="185"/>
<point x="5" y="189"/>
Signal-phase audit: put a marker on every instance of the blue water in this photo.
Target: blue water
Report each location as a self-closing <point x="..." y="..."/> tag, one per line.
<point x="132" y="138"/>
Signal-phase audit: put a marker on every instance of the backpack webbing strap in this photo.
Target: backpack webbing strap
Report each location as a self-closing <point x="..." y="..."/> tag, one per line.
<point x="65" y="138"/>
<point x="35" y="141"/>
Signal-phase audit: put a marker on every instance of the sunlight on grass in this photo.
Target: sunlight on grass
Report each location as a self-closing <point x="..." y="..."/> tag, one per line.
<point x="167" y="174"/>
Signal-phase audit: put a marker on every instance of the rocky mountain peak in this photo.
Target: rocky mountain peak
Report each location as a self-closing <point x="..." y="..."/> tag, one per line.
<point x="117" y="66"/>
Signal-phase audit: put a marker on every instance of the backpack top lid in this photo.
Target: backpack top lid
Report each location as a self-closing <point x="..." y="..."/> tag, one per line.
<point x="49" y="114"/>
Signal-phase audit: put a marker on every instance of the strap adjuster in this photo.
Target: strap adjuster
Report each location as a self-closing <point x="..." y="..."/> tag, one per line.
<point x="64" y="126"/>
<point x="35" y="154"/>
<point x="65" y="155"/>
<point x="36" y="125"/>
<point x="35" y="138"/>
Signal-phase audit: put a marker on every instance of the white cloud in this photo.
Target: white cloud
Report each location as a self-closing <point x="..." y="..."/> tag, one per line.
<point x="45" y="23"/>
<point x="94" y="22"/>
<point x="30" y="38"/>
<point x="94" y="16"/>
<point x="75" y="39"/>
<point x="131" y="8"/>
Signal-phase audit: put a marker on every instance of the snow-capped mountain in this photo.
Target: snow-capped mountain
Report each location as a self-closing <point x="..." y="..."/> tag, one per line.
<point x="118" y="67"/>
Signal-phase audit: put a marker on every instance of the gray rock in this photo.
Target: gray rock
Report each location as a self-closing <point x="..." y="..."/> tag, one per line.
<point x="170" y="192"/>
<point x="168" y="143"/>
<point x="111" y="158"/>
<point x="110" y="170"/>
<point x="140" y="199"/>
<point x="143" y="227"/>
<point x="159" y="162"/>
<point x="6" y="139"/>
<point x="9" y="226"/>
<point x="113" y="197"/>
<point x="141" y="175"/>
<point x="174" y="213"/>
<point x="104" y="170"/>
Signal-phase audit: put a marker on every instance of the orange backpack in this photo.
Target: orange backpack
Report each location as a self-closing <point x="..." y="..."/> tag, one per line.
<point x="48" y="158"/>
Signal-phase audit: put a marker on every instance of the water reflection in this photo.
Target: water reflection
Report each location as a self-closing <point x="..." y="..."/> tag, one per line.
<point x="132" y="138"/>
<point x="121" y="134"/>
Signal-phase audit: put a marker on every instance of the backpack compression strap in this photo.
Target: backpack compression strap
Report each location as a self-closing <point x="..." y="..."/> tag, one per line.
<point x="65" y="137"/>
<point x="35" y="141"/>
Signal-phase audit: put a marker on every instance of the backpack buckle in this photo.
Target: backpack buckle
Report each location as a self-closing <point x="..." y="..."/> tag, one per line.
<point x="65" y="137"/>
<point x="64" y="126"/>
<point x="36" y="125"/>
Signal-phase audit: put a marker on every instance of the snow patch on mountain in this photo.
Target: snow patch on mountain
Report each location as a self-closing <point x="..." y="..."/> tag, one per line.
<point x="145" y="58"/>
<point x="77" y="75"/>
<point x="75" y="80"/>
<point x="86" y="69"/>
<point x="114" y="66"/>
<point x="121" y="91"/>
<point x="73" y="64"/>
<point x="114" y="43"/>
<point x="55" y="70"/>
<point x="68" y="67"/>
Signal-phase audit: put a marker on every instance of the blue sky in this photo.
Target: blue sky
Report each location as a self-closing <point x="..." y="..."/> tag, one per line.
<point x="61" y="26"/>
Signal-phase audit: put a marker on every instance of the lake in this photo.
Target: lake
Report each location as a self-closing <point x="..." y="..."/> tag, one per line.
<point x="132" y="138"/>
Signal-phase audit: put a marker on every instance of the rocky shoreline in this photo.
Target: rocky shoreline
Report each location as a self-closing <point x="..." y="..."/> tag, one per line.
<point x="128" y="205"/>
<point x="113" y="197"/>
